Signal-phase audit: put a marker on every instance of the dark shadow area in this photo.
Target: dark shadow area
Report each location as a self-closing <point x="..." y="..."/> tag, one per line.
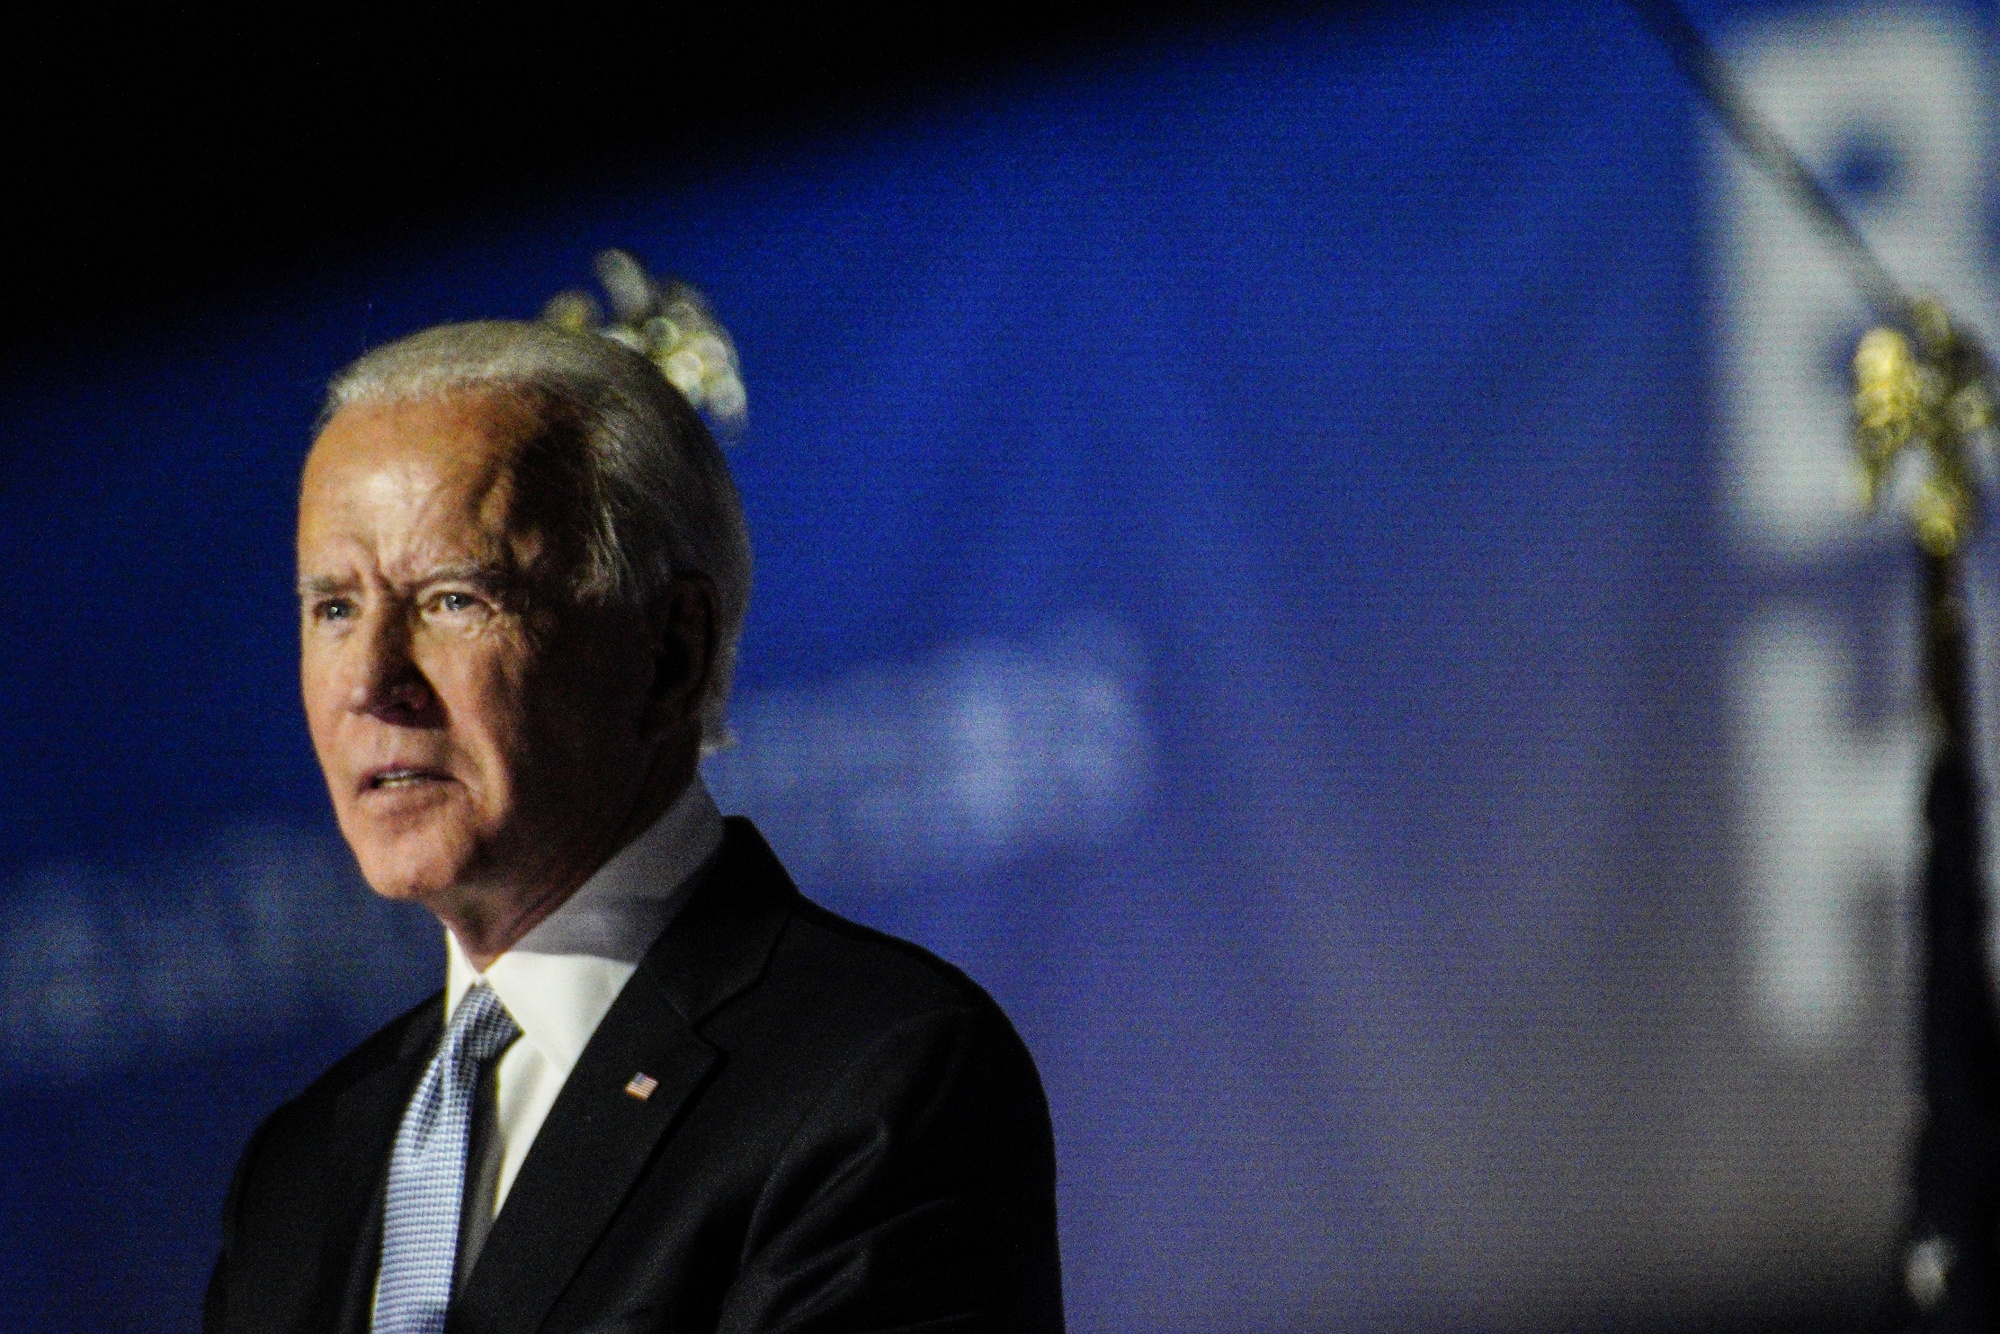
<point x="161" y="156"/>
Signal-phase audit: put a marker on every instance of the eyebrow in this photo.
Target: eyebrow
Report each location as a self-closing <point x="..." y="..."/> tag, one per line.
<point x="492" y="578"/>
<point x="319" y="585"/>
<point x="489" y="578"/>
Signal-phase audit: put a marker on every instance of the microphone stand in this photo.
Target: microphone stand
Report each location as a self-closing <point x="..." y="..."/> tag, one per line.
<point x="1928" y="401"/>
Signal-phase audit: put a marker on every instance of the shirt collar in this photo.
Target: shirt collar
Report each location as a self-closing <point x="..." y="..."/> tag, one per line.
<point x="560" y="979"/>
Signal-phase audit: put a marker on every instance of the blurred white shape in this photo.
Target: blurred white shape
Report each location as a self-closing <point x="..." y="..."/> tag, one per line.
<point x="1927" y="1272"/>
<point x="1887" y="107"/>
<point x="260" y="927"/>
<point x="991" y="750"/>
<point x="1831" y="813"/>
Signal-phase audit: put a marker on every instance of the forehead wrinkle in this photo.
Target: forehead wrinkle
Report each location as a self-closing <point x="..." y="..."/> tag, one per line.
<point x="415" y="519"/>
<point x="409" y="496"/>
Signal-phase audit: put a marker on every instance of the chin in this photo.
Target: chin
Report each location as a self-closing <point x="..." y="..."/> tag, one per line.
<point x="413" y="867"/>
<point x="412" y="844"/>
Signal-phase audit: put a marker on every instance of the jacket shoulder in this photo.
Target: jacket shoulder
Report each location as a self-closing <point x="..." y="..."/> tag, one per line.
<point x="901" y="1120"/>
<point x="876" y="970"/>
<point x="835" y="995"/>
<point x="758" y="944"/>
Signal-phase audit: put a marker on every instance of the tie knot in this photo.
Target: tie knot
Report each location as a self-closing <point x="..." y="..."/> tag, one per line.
<point x="480" y="1028"/>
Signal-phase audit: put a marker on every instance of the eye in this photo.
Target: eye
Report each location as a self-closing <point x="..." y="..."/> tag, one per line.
<point x="456" y="602"/>
<point x="333" y="609"/>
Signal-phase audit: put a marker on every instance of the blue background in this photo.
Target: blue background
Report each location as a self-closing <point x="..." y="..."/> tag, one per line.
<point x="1330" y="396"/>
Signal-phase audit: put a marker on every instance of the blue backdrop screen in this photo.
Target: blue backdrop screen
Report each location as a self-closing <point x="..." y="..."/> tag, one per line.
<point x="1245" y="567"/>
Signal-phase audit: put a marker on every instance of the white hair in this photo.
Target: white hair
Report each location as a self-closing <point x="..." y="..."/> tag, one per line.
<point x="657" y="497"/>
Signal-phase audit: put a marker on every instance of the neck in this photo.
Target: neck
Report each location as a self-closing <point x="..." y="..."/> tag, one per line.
<point x="486" y="930"/>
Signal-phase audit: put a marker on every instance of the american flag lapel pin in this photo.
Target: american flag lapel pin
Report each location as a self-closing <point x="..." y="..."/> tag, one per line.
<point x="641" y="1087"/>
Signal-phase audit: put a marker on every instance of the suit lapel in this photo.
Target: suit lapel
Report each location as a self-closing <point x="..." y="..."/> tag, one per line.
<point x="598" y="1138"/>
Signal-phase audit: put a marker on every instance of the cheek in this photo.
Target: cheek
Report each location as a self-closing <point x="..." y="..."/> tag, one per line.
<point x="485" y="686"/>
<point x="573" y="733"/>
<point x="319" y="692"/>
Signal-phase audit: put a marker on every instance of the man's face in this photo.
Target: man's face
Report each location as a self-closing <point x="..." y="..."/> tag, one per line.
<point x="484" y="737"/>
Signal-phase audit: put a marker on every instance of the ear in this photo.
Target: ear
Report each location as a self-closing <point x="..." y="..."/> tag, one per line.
<point x="684" y="638"/>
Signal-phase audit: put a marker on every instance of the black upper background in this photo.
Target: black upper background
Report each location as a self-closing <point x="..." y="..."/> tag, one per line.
<point x="155" y="155"/>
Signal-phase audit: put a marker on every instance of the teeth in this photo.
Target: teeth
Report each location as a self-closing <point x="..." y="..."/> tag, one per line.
<point x="400" y="778"/>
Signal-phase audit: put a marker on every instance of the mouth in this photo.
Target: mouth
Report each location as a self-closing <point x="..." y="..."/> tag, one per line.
<point x="400" y="778"/>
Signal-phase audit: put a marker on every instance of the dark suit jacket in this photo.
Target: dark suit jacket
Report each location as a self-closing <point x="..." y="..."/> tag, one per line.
<point x="847" y="1135"/>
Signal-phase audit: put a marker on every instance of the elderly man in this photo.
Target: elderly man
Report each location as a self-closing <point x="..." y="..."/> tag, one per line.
<point x="660" y="1090"/>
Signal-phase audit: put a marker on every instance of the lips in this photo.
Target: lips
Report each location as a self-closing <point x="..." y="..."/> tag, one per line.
<point x="401" y="777"/>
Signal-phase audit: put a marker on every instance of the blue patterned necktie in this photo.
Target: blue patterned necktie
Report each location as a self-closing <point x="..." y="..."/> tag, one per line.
<point x="427" y="1170"/>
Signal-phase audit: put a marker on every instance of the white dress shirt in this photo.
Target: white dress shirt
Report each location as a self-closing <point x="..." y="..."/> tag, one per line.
<point x="560" y="979"/>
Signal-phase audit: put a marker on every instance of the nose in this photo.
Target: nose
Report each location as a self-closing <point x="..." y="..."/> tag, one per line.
<point x="387" y="681"/>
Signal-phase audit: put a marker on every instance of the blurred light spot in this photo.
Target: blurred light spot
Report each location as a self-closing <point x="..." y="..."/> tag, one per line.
<point x="257" y="929"/>
<point x="992" y="750"/>
<point x="1926" y="1272"/>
